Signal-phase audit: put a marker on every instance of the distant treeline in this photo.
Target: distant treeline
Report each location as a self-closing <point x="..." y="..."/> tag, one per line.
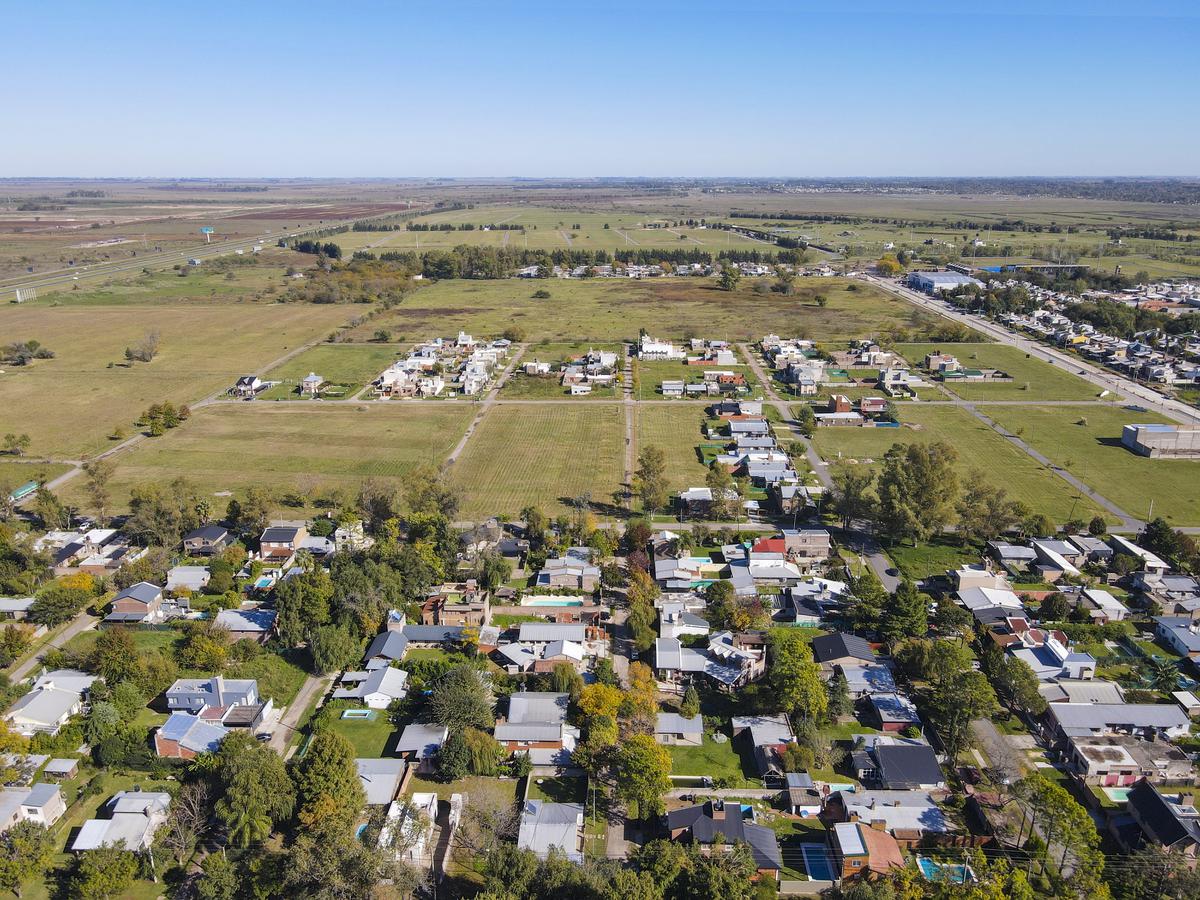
<point x="961" y="224"/>
<point x="329" y="249"/>
<point x="463" y="226"/>
<point x="1162" y="233"/>
<point x="81" y="193"/>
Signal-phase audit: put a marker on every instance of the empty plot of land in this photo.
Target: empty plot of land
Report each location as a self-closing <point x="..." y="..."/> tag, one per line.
<point x="1032" y="379"/>
<point x="979" y="448"/>
<point x="677" y="431"/>
<point x="541" y="455"/>
<point x="615" y="309"/>
<point x="1087" y="442"/>
<point x="68" y="405"/>
<point x="292" y="448"/>
<point x="345" y="367"/>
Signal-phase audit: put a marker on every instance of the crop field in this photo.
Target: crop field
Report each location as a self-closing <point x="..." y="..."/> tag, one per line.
<point x="676" y="430"/>
<point x="347" y="368"/>
<point x="1033" y="379"/>
<point x="979" y="449"/>
<point x="1094" y="454"/>
<point x="69" y="404"/>
<point x="542" y="455"/>
<point x="615" y="309"/>
<point x="286" y="447"/>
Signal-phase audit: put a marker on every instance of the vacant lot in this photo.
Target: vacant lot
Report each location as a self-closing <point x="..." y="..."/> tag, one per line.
<point x="979" y="449"/>
<point x="14" y="473"/>
<point x="675" y="429"/>
<point x="70" y="404"/>
<point x="1032" y="379"/>
<point x="288" y="447"/>
<point x="544" y="455"/>
<point x="614" y="310"/>
<point x="346" y="367"/>
<point x="1094" y="454"/>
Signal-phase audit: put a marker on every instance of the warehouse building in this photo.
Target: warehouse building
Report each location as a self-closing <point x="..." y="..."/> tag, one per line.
<point x="936" y="282"/>
<point x="1165" y="441"/>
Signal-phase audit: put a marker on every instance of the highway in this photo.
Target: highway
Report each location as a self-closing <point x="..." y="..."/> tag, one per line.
<point x="1102" y="378"/>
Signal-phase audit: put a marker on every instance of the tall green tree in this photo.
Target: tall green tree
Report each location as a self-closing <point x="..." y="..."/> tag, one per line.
<point x="649" y="479"/>
<point x="795" y="677"/>
<point x="333" y="648"/>
<point x="907" y="615"/>
<point x="26" y="851"/>
<point x="304" y="605"/>
<point x="853" y="493"/>
<point x="256" y="792"/>
<point x="106" y="872"/>
<point x="642" y="769"/>
<point x="327" y="771"/>
<point x="463" y="698"/>
<point x="917" y="490"/>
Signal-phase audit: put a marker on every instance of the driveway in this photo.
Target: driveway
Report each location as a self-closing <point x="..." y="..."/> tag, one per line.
<point x="314" y="687"/>
<point x="81" y="623"/>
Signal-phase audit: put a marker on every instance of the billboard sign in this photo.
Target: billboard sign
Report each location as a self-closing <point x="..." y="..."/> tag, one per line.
<point x="207" y="229"/>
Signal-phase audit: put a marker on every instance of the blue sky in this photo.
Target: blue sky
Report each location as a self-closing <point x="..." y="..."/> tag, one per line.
<point x="614" y="88"/>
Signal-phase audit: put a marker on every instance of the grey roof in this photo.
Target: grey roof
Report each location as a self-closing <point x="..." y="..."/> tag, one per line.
<point x="207" y="533"/>
<point x="895" y="708"/>
<point x="192" y="732"/>
<point x="387" y="644"/>
<point x="552" y="631"/>
<point x="41" y="794"/>
<point x="380" y="778"/>
<point x="421" y="740"/>
<point x="837" y="646"/>
<point x="907" y="765"/>
<point x="764" y="845"/>
<point x="1180" y="628"/>
<point x="537" y="706"/>
<point x="246" y="620"/>
<point x="1087" y="690"/>
<point x="518" y="654"/>
<point x="1076" y="719"/>
<point x="799" y="780"/>
<point x="546" y="825"/>
<point x="433" y="634"/>
<point x="1169" y="822"/>
<point x="143" y="592"/>
<point x="674" y="723"/>
<point x="15" y="604"/>
<point x="764" y="730"/>
<point x="529" y="731"/>
<point x="60" y="766"/>
<point x="279" y="534"/>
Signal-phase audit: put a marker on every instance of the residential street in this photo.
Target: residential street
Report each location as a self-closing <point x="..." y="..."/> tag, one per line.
<point x="81" y="623"/>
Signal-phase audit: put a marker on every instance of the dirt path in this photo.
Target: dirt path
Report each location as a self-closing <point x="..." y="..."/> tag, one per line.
<point x="314" y="686"/>
<point x="485" y="404"/>
<point x="81" y="623"/>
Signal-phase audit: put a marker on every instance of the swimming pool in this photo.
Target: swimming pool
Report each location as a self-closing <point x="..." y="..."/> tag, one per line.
<point x="955" y="873"/>
<point x="817" y="862"/>
<point x="264" y="582"/>
<point x="1116" y="794"/>
<point x="550" y="601"/>
<point x="358" y="714"/>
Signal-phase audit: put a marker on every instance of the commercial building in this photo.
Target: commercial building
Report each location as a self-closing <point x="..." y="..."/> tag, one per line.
<point x="1162" y="441"/>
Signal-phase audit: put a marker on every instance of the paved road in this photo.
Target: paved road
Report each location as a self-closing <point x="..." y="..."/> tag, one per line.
<point x="1102" y="378"/>
<point x="81" y="623"/>
<point x="314" y="686"/>
<point x="858" y="539"/>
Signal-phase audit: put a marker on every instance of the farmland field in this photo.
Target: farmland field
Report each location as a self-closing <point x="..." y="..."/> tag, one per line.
<point x="615" y="309"/>
<point x="1093" y="453"/>
<point x="675" y="429"/>
<point x="979" y="449"/>
<point x="292" y="448"/>
<point x="347" y="368"/>
<point x="543" y="455"/>
<point x="69" y="404"/>
<point x="1044" y="381"/>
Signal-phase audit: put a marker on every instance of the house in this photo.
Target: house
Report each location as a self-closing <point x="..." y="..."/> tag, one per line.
<point x="43" y="804"/>
<point x="674" y="620"/>
<point x="1151" y="565"/>
<point x="1069" y="720"/>
<point x="408" y="829"/>
<point x="552" y="826"/>
<point x="310" y="385"/>
<point x="385" y="648"/>
<point x="718" y="823"/>
<point x="907" y="767"/>
<point x="60" y="768"/>
<point x="1180" y="633"/>
<point x="206" y="540"/>
<point x="139" y="603"/>
<point x="807" y="545"/>
<point x="54" y="698"/>
<point x="1120" y="760"/>
<point x="841" y="649"/>
<point x="548" y="632"/>
<point x="15" y="609"/>
<point x="134" y="817"/>
<point x="912" y="817"/>
<point x="457" y="603"/>
<point x="1170" y="822"/>
<point x="537" y="725"/>
<point x="185" y="736"/>
<point x="893" y="712"/>
<point x="725" y="661"/>
<point x="376" y="689"/>
<point x="767" y="735"/>
<point x="197" y="694"/>
<point x="1052" y="658"/>
<point x="419" y="744"/>
<point x="248" y="386"/>
<point x="1090" y="690"/>
<point x="254" y="624"/>
<point x="573" y="571"/>
<point x="863" y="851"/>
<point x="864" y="679"/>
<point x="674" y="729"/>
<point x="280" y="542"/>
<point x="380" y="779"/>
<point x="1102" y="606"/>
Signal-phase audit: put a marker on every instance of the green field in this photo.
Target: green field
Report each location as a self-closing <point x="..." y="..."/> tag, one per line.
<point x="979" y="449"/>
<point x="1033" y="379"/>
<point x="544" y="455"/>
<point x="1094" y="454"/>
<point x="615" y="309"/>
<point x="14" y="473"/>
<point x="715" y="760"/>
<point x="676" y="429"/>
<point x="369" y="737"/>
<point x="346" y="368"/>
<point x="228" y="447"/>
<point x="70" y="404"/>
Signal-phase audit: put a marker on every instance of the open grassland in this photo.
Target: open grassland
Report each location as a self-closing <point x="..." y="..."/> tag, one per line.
<point x="70" y="404"/>
<point x="615" y="309"/>
<point x="305" y="449"/>
<point x="1094" y="454"/>
<point x="980" y="449"/>
<point x="541" y="455"/>
<point x="676" y="430"/>
<point x="14" y="473"/>
<point x="1033" y="379"/>
<point x="346" y="368"/>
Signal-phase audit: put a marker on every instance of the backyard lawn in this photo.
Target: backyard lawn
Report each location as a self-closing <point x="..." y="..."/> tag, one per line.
<point x="716" y="760"/>
<point x="369" y="737"/>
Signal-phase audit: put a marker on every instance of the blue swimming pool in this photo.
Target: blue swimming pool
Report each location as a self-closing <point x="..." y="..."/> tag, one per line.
<point x="550" y="601"/>
<point x="955" y="873"/>
<point x="358" y="714"/>
<point x="817" y="862"/>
